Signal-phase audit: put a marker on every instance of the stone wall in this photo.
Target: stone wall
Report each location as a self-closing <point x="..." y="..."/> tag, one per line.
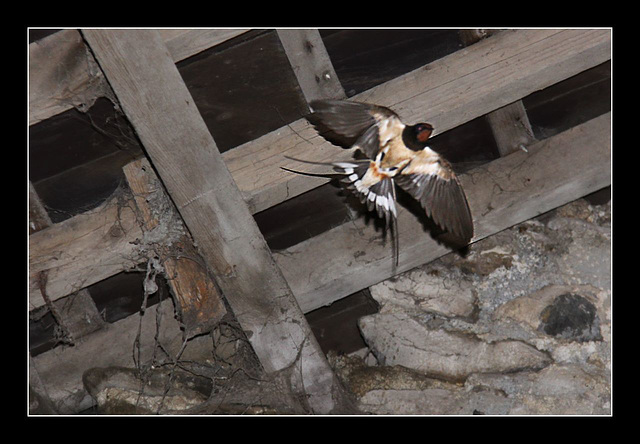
<point x="520" y="325"/>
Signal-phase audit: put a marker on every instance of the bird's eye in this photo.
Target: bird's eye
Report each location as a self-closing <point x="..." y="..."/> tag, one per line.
<point x="423" y="132"/>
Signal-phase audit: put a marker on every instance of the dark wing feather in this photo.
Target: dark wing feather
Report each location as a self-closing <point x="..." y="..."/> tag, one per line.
<point x="356" y="122"/>
<point x="443" y="200"/>
<point x="381" y="197"/>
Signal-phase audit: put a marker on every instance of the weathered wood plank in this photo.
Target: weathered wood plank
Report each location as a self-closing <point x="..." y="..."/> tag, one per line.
<point x="510" y="124"/>
<point x="311" y="64"/>
<point x="83" y="250"/>
<point x="159" y="106"/>
<point x="448" y="92"/>
<point x="255" y="167"/>
<point x="196" y="297"/>
<point x="184" y="43"/>
<point x="511" y="128"/>
<point x="502" y="193"/>
<point x="72" y="251"/>
<point x="62" y="73"/>
<point x="39" y="401"/>
<point x="78" y="313"/>
<point x="38" y="216"/>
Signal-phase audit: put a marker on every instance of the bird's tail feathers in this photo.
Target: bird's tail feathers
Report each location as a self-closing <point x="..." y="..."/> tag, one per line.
<point x="344" y="168"/>
<point x="381" y="196"/>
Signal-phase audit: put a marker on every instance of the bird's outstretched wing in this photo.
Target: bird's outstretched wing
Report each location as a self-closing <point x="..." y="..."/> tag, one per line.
<point x="361" y="125"/>
<point x="432" y="182"/>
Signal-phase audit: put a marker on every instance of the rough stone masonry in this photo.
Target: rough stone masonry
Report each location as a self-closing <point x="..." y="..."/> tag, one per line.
<point x="521" y="325"/>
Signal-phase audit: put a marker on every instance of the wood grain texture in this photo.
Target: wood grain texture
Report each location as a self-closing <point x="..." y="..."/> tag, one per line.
<point x="83" y="250"/>
<point x="311" y="64"/>
<point x="448" y="92"/>
<point x="511" y="128"/>
<point x="197" y="300"/>
<point x="73" y="250"/>
<point x="38" y="216"/>
<point x="158" y="104"/>
<point x="184" y="43"/>
<point x="255" y="166"/>
<point x="62" y="73"/>
<point x="510" y="124"/>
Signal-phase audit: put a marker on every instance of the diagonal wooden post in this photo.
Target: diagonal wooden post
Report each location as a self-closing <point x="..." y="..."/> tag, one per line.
<point x="152" y="94"/>
<point x="510" y="124"/>
<point x="311" y="64"/>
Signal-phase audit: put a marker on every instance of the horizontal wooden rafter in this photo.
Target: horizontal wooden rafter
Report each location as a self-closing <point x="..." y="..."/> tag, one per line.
<point x="83" y="250"/>
<point x="184" y="43"/>
<point x="447" y="92"/>
<point x="73" y="250"/>
<point x="62" y="73"/>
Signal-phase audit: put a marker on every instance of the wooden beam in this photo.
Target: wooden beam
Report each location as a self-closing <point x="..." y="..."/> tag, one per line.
<point x="501" y="194"/>
<point x="255" y="166"/>
<point x="311" y="64"/>
<point x="330" y="266"/>
<point x="510" y="124"/>
<point x="511" y="128"/>
<point x="197" y="300"/>
<point x="159" y="106"/>
<point x="73" y="251"/>
<point x="184" y="43"/>
<point x="40" y="402"/>
<point x="63" y="74"/>
<point x="83" y="250"/>
<point x="38" y="216"/>
<point x="448" y="92"/>
<point x="77" y="313"/>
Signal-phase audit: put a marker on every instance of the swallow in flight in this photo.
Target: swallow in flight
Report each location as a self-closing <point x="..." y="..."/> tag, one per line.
<point x="396" y="154"/>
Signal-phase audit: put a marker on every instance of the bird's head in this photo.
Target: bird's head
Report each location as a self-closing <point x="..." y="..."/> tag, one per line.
<point x="416" y="136"/>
